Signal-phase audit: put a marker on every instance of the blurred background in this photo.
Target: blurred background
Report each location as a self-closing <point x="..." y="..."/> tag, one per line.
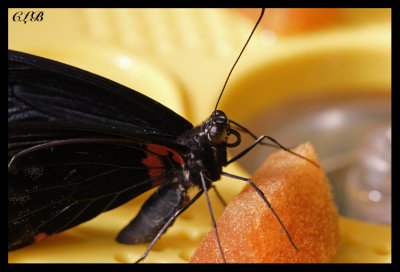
<point x="318" y="75"/>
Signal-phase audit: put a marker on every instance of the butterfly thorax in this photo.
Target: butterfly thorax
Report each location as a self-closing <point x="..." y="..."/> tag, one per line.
<point x="207" y="144"/>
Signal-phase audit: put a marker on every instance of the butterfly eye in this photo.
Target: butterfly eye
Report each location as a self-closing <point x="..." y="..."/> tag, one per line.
<point x="217" y="133"/>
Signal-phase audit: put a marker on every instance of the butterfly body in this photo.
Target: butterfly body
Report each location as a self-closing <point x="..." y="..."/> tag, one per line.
<point x="80" y="145"/>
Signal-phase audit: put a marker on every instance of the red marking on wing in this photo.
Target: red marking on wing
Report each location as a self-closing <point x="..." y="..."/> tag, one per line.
<point x="163" y="151"/>
<point x="40" y="236"/>
<point x="154" y="164"/>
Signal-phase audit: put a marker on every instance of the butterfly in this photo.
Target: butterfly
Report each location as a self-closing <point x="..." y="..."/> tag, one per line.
<point x="80" y="145"/>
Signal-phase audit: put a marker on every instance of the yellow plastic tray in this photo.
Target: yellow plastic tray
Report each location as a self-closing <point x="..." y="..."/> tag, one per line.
<point x="181" y="58"/>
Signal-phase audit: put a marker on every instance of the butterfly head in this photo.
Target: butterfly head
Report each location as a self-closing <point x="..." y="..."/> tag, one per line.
<point x="218" y="130"/>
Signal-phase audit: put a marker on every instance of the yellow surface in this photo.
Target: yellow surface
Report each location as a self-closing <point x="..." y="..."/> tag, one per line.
<point x="181" y="57"/>
<point x="363" y="243"/>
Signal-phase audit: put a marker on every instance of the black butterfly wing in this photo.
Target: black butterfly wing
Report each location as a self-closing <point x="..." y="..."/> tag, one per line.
<point x="79" y="145"/>
<point x="40" y="89"/>
<point x="61" y="176"/>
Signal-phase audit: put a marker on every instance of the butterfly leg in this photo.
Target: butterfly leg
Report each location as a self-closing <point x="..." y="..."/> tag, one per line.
<point x="241" y="128"/>
<point x="219" y="196"/>
<point x="203" y="183"/>
<point x="259" y="141"/>
<point x="261" y="194"/>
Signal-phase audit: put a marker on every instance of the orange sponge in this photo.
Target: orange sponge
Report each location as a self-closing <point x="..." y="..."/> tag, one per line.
<point x="300" y="195"/>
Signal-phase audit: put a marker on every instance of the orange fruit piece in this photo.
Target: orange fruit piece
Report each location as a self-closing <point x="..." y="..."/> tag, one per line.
<point x="301" y="196"/>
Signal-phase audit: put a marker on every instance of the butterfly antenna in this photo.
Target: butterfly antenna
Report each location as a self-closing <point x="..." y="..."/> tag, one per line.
<point x="241" y="52"/>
